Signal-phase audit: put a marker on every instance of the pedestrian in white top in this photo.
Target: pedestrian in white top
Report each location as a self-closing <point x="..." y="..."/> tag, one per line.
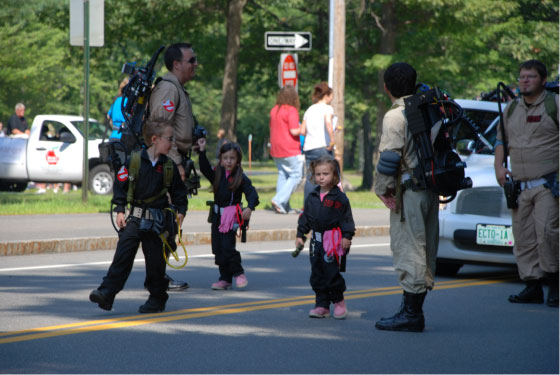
<point x="318" y="129"/>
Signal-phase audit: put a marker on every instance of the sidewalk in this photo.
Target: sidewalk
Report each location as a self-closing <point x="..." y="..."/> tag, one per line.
<point x="37" y="234"/>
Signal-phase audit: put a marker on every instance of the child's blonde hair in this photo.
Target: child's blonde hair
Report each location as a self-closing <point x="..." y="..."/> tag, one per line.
<point x="330" y="161"/>
<point x="154" y="127"/>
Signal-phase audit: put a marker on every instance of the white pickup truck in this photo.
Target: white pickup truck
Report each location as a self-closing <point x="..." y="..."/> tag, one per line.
<point x="54" y="153"/>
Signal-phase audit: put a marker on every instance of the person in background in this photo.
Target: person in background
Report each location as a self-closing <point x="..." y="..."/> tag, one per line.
<point x="17" y="124"/>
<point x="2" y="132"/>
<point x="531" y="130"/>
<point x="317" y="128"/>
<point x="285" y="147"/>
<point x="115" y="114"/>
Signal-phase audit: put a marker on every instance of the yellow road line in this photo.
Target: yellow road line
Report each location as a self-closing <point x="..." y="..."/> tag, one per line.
<point x="136" y="320"/>
<point x="201" y="309"/>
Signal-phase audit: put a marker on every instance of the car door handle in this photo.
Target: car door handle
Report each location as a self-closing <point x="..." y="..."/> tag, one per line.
<point x="41" y="149"/>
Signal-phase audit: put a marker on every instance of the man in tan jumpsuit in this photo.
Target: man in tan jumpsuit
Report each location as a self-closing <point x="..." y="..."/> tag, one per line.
<point x="532" y="140"/>
<point x="414" y="223"/>
<point x="169" y="101"/>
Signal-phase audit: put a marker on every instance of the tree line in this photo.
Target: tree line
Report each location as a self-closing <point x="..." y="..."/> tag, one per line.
<point x="463" y="46"/>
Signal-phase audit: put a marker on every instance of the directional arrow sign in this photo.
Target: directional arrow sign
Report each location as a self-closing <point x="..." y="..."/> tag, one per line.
<point x="287" y="40"/>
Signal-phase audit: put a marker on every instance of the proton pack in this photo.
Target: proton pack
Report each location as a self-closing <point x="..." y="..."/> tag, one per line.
<point x="430" y="114"/>
<point x="136" y="95"/>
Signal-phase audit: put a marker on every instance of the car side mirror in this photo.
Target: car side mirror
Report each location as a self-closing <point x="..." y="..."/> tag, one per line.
<point x="67" y="137"/>
<point x="465" y="146"/>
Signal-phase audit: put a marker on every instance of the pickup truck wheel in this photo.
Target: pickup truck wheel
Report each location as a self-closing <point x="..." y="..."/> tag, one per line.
<point x="101" y="179"/>
<point x="13" y="186"/>
<point x="19" y="187"/>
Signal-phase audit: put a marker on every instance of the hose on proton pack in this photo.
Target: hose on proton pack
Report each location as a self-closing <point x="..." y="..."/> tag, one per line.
<point x="166" y="245"/>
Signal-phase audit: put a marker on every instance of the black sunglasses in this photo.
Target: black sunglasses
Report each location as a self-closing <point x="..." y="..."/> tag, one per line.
<point x="192" y="60"/>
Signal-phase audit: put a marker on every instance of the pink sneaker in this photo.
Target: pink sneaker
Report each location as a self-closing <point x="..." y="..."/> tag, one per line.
<point x="221" y="285"/>
<point x="340" y="311"/>
<point x="319" y="312"/>
<point x="241" y="281"/>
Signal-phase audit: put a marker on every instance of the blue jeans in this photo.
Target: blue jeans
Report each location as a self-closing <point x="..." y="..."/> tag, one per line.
<point x="311" y="155"/>
<point x="290" y="172"/>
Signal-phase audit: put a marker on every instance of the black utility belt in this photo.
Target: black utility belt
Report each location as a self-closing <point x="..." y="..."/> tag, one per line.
<point x="142" y="213"/>
<point x="410" y="185"/>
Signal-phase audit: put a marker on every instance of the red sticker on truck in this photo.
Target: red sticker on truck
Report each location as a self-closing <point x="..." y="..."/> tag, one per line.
<point x="122" y="174"/>
<point x="52" y="158"/>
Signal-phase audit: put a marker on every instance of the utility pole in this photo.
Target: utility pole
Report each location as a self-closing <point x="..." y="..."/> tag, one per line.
<point x="337" y="62"/>
<point x="85" y="180"/>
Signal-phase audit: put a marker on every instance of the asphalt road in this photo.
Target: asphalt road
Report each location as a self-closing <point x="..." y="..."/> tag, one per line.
<point x="48" y="325"/>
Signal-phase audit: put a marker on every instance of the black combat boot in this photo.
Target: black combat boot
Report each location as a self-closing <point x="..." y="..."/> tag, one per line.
<point x="532" y="293"/>
<point x="153" y="305"/>
<point x="552" y="280"/>
<point x="409" y="318"/>
<point x="175" y="285"/>
<point x="103" y="299"/>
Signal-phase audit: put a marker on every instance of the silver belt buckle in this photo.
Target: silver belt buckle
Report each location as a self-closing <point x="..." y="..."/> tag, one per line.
<point x="318" y="236"/>
<point x="405" y="176"/>
<point x="218" y="209"/>
<point x="137" y="212"/>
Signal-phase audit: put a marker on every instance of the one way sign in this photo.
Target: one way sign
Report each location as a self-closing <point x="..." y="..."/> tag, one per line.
<point x="287" y="40"/>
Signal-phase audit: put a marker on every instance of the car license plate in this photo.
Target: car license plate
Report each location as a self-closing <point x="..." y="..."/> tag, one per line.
<point x="495" y="235"/>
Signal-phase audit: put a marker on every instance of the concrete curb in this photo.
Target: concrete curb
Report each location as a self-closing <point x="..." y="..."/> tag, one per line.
<point x="67" y="245"/>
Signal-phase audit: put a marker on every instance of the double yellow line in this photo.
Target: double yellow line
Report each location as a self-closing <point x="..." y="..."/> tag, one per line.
<point x="202" y="312"/>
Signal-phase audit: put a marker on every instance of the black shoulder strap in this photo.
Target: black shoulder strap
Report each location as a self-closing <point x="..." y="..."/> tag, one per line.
<point x="551" y="107"/>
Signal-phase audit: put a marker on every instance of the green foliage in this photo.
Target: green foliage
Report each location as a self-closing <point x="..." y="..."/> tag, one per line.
<point x="464" y="46"/>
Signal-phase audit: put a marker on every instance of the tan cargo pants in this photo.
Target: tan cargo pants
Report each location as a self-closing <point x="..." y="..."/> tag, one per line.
<point x="414" y="241"/>
<point x="535" y="229"/>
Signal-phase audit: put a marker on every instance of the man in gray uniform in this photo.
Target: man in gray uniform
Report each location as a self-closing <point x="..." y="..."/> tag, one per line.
<point x="414" y="223"/>
<point x="169" y="101"/>
<point x="531" y="128"/>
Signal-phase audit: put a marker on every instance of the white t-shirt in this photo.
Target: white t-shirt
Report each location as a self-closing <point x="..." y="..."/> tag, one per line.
<point x="314" y="118"/>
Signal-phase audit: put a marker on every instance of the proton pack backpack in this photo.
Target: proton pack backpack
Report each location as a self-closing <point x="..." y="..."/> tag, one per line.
<point x="440" y="169"/>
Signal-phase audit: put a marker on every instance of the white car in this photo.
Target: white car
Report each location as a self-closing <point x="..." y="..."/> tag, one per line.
<point x="476" y="226"/>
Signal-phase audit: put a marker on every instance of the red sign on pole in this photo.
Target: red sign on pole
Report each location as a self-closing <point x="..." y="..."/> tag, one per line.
<point x="288" y="70"/>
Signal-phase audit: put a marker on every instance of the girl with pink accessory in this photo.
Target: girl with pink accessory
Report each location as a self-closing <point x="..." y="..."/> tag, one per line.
<point x="328" y="215"/>
<point x="228" y="183"/>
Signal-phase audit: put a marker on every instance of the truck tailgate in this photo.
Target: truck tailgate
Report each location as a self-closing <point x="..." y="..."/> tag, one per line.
<point x="12" y="158"/>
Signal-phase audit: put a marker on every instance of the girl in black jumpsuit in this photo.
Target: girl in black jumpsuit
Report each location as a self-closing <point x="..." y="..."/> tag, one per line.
<point x="229" y="183"/>
<point x="327" y="213"/>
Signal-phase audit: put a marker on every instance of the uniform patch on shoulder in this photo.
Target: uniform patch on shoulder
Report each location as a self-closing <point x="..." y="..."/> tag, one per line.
<point x="168" y="105"/>
<point x="122" y="174"/>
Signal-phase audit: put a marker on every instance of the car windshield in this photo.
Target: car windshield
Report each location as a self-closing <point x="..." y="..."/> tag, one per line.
<point x="95" y="129"/>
